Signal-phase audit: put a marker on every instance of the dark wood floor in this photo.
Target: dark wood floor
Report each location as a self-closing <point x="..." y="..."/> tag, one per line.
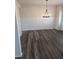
<point x="42" y="44"/>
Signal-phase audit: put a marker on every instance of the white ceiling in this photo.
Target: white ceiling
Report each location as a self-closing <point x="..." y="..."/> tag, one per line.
<point x="40" y="2"/>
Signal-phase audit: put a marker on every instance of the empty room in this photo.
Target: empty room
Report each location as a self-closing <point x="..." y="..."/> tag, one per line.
<point x="39" y="29"/>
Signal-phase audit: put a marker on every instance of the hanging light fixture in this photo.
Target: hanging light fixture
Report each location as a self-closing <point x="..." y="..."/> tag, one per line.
<point x="46" y="11"/>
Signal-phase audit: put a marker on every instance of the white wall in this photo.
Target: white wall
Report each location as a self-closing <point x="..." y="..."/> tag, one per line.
<point x="31" y="18"/>
<point x="17" y="42"/>
<point x="61" y="20"/>
<point x="18" y="6"/>
<point x="18" y="52"/>
<point x="59" y="17"/>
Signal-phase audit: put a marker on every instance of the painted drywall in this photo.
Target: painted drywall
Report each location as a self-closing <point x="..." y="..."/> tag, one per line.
<point x="59" y="17"/>
<point x="18" y="6"/>
<point x="17" y="42"/>
<point x="18" y="52"/>
<point x="61" y="20"/>
<point x="31" y="18"/>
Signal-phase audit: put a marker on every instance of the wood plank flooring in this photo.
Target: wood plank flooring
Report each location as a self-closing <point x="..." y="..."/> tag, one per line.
<point x="42" y="44"/>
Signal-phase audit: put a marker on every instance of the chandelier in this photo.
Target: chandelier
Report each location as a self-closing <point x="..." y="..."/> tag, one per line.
<point x="46" y="11"/>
